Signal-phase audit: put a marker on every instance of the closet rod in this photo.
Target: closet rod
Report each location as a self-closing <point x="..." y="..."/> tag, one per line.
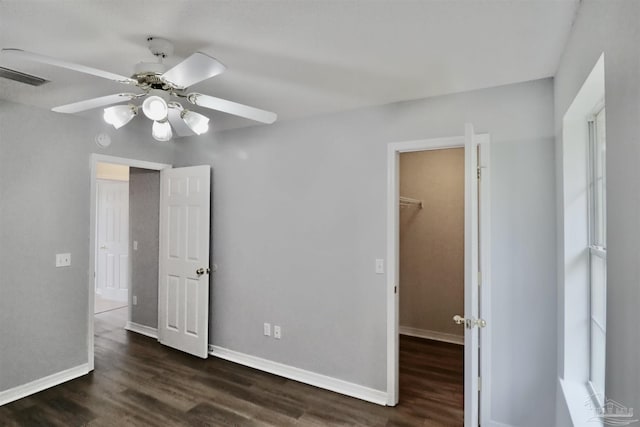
<point x="409" y="201"/>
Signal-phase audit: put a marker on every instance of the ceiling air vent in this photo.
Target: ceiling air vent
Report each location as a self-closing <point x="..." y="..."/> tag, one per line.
<point x="22" y="77"/>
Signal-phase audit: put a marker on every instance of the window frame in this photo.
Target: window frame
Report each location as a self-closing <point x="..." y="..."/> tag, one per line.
<point x="596" y="240"/>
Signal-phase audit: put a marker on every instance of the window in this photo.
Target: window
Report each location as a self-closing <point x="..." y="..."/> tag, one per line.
<point x="597" y="251"/>
<point x="583" y="249"/>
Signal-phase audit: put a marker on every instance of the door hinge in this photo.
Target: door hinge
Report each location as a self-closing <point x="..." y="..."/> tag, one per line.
<point x="479" y="278"/>
<point x="479" y="384"/>
<point x="479" y="172"/>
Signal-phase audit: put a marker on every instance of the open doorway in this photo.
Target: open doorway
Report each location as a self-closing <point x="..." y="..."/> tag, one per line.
<point x="127" y="245"/>
<point x="477" y="247"/>
<point x="431" y="270"/>
<point x="125" y="196"/>
<point x="112" y="237"/>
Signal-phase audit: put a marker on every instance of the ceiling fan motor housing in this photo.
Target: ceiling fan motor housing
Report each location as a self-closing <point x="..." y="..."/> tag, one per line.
<point x="148" y="74"/>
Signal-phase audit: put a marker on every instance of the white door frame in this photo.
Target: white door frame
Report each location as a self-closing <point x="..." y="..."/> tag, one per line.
<point x="393" y="228"/>
<point x="95" y="159"/>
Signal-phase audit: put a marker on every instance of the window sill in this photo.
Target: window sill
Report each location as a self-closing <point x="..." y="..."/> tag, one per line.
<point x="578" y="399"/>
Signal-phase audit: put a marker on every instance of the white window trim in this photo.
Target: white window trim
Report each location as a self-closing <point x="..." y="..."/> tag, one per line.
<point x="574" y="268"/>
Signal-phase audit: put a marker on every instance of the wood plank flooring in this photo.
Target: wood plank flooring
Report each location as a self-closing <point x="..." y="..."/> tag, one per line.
<point x="138" y="382"/>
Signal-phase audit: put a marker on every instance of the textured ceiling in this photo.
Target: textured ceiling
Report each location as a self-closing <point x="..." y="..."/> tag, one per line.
<point x="297" y="58"/>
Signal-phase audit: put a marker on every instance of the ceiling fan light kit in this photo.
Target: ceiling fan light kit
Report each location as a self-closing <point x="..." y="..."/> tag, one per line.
<point x="155" y="108"/>
<point x="120" y="115"/>
<point x="198" y="123"/>
<point x="158" y="86"/>
<point x="161" y="131"/>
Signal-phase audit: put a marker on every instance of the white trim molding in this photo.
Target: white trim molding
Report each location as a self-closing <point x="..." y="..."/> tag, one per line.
<point x="576" y="395"/>
<point x="392" y="227"/>
<point x="142" y="329"/>
<point x="301" y="375"/>
<point x="431" y="335"/>
<point x="40" y="384"/>
<point x="393" y="254"/>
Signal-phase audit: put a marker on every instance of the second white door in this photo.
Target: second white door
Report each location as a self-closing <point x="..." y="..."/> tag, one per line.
<point x="112" y="272"/>
<point x="183" y="298"/>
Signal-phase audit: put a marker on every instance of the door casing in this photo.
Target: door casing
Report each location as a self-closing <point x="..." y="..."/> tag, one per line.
<point x="95" y="159"/>
<point x="393" y="229"/>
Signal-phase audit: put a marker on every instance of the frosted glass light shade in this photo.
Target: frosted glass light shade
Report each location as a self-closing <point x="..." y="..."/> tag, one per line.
<point x="161" y="131"/>
<point x="119" y="115"/>
<point x="155" y="108"/>
<point x="198" y="123"/>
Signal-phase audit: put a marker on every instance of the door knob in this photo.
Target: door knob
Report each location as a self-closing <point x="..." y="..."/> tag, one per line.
<point x="469" y="323"/>
<point x="202" y="271"/>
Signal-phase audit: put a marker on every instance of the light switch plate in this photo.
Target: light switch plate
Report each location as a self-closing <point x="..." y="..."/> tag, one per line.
<point x="63" y="260"/>
<point x="379" y="266"/>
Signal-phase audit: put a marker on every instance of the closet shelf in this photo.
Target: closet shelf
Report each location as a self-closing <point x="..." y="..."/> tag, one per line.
<point x="408" y="201"/>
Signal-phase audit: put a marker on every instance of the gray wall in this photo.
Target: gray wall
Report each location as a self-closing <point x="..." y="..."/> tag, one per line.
<point x="144" y="226"/>
<point x="44" y="210"/>
<point x="300" y="215"/>
<point x="299" y="219"/>
<point x="611" y="26"/>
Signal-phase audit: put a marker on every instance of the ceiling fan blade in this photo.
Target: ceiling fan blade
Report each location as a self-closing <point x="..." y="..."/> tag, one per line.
<point x="179" y="126"/>
<point x="231" y="107"/>
<point x="89" y="104"/>
<point x="194" y="69"/>
<point x="35" y="57"/>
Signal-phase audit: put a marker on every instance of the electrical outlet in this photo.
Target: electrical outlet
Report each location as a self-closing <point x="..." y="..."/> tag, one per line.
<point x="210" y="347"/>
<point x="63" y="260"/>
<point x="277" y="332"/>
<point x="267" y="329"/>
<point x="135" y="245"/>
<point x="379" y="266"/>
<point x="135" y="300"/>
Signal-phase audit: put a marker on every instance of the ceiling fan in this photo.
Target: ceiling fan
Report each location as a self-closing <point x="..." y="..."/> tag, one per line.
<point x="160" y="88"/>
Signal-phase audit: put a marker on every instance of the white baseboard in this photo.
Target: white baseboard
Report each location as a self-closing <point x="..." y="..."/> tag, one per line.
<point x="432" y="335"/>
<point x="303" y="376"/>
<point x="142" y="329"/>
<point x="40" y="384"/>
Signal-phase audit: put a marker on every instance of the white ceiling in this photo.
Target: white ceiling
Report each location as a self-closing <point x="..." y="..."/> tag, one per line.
<point x="297" y="57"/>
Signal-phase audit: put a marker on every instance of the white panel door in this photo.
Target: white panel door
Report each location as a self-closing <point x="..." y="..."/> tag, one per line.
<point x="183" y="299"/>
<point x="112" y="267"/>
<point x="471" y="273"/>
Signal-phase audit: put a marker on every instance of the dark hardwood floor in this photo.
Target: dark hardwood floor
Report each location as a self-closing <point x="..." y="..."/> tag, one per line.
<point x="138" y="382"/>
